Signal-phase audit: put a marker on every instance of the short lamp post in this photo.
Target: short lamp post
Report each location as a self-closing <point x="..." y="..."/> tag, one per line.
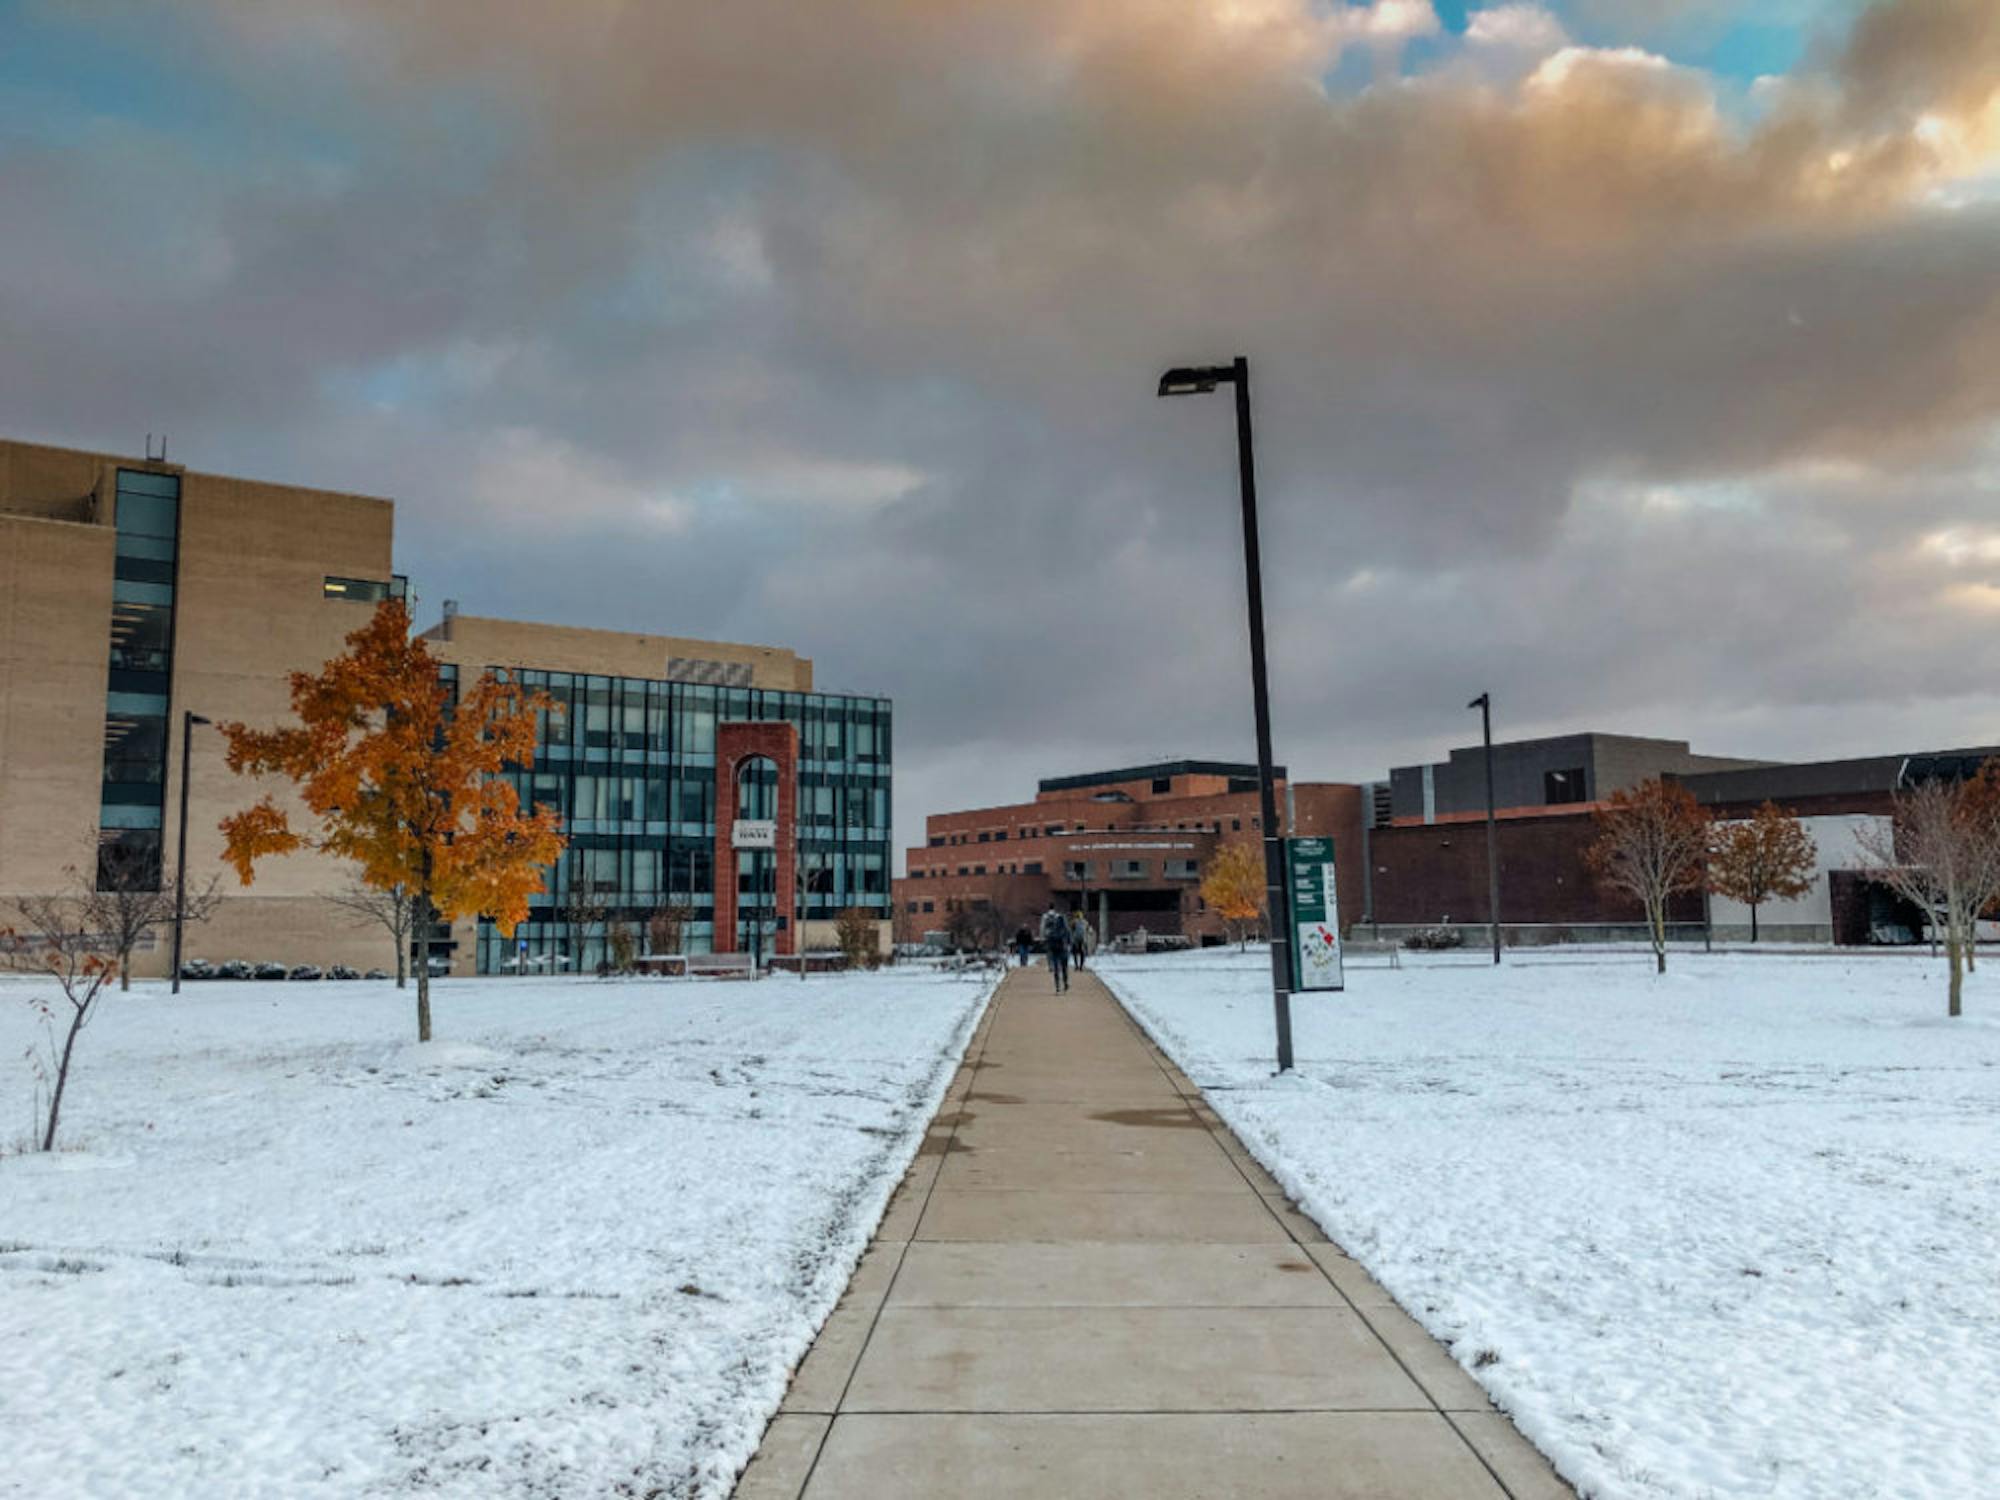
<point x="189" y="718"/>
<point x="1200" y="381"/>
<point x="1484" y="703"/>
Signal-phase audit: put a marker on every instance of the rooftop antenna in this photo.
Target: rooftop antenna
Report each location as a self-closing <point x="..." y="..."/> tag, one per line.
<point x="151" y="456"/>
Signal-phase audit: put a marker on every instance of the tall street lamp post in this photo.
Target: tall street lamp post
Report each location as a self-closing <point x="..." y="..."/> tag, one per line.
<point x="189" y="718"/>
<point x="1200" y="381"/>
<point x="1484" y="703"/>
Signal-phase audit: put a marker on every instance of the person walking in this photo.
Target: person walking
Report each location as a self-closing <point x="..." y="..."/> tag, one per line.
<point x="1079" y="940"/>
<point x="1055" y="938"/>
<point x="1024" y="944"/>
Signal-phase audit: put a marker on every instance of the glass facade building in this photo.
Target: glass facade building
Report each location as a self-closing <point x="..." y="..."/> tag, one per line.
<point x="630" y="764"/>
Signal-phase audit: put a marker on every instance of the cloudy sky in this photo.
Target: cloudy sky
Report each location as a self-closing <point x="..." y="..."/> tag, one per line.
<point x="1636" y="359"/>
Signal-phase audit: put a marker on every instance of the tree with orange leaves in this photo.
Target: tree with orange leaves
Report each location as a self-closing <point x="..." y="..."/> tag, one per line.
<point x="1765" y="855"/>
<point x="1652" y="843"/>
<point x="1233" y="884"/>
<point x="405" y="782"/>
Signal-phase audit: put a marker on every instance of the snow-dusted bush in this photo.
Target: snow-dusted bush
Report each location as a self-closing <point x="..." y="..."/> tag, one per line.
<point x="1435" y="939"/>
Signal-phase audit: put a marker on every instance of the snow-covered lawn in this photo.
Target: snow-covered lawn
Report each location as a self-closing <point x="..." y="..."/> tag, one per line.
<point x="1733" y="1232"/>
<point x="571" y="1248"/>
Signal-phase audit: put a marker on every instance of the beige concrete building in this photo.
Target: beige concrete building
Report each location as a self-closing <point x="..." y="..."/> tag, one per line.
<point x="134" y="592"/>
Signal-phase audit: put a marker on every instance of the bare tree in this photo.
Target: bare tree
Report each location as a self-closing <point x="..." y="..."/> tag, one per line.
<point x="580" y="907"/>
<point x="393" y="909"/>
<point x="78" y="961"/>
<point x="667" y="928"/>
<point x="961" y="925"/>
<point x="126" y="899"/>
<point x="1940" y="851"/>
<point x="1652" y="843"/>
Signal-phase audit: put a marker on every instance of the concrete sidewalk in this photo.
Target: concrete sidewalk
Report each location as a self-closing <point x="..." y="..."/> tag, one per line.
<point x="1085" y="1287"/>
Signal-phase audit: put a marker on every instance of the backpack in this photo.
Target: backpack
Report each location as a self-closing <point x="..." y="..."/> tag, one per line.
<point x="1054" y="928"/>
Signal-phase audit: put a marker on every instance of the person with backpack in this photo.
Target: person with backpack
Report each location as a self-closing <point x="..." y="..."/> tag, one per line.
<point x="1055" y="938"/>
<point x="1024" y="943"/>
<point x="1079" y="939"/>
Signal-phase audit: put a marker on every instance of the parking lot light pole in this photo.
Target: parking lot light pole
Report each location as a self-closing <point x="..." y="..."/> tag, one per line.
<point x="189" y="718"/>
<point x="1484" y="703"/>
<point x="1200" y="381"/>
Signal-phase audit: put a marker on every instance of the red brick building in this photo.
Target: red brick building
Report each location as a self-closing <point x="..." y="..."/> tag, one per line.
<point x="1127" y="846"/>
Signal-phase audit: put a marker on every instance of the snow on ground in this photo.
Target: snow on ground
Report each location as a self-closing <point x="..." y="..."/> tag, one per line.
<point x="572" y="1247"/>
<point x="1731" y="1232"/>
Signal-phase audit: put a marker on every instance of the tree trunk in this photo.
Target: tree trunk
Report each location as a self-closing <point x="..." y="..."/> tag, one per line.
<point x="423" y="928"/>
<point x="1656" y="917"/>
<point x="402" y="957"/>
<point x="1753" y="921"/>
<point x="62" y="1080"/>
<point x="1952" y="957"/>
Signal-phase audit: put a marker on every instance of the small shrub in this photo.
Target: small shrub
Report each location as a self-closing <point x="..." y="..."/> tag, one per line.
<point x="1435" y="939"/>
<point x="855" y="930"/>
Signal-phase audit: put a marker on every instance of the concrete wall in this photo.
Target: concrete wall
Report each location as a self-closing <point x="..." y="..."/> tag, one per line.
<point x="55" y="653"/>
<point x="476" y="642"/>
<point x="1609" y="762"/>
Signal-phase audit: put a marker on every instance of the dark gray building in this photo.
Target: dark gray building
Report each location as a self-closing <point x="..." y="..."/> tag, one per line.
<point x="1555" y="772"/>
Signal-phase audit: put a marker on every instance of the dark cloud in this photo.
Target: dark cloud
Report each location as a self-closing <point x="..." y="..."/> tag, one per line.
<point x="1572" y="382"/>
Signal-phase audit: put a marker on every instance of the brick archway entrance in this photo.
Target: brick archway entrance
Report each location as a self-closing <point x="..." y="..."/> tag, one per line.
<point x="736" y="744"/>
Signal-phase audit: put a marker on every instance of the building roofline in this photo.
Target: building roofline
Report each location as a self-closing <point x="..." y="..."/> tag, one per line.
<point x="166" y="466"/>
<point x="1153" y="772"/>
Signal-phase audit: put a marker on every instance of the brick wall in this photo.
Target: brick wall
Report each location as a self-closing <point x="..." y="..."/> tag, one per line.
<point x="1425" y="875"/>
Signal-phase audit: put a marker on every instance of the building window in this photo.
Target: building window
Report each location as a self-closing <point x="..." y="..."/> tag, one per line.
<point x="930" y="906"/>
<point x="979" y="869"/>
<point x="1032" y="867"/>
<point x="1162" y="785"/>
<point x="936" y="841"/>
<point x="1235" y="825"/>
<point x="1128" y="869"/>
<point x="131" y="805"/>
<point x="1077" y="870"/>
<point x="1559" y="787"/>
<point x="984" y="837"/>
<point x="1183" y="869"/>
<point x="365" y="590"/>
<point x="1000" y="837"/>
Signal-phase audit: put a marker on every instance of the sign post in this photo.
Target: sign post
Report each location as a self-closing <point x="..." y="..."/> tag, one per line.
<point x="1315" y="903"/>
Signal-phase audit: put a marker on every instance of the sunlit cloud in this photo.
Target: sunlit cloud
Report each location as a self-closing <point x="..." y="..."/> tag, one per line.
<point x="1567" y="347"/>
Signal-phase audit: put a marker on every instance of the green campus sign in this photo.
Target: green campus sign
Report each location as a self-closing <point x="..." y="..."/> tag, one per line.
<point x="1315" y="904"/>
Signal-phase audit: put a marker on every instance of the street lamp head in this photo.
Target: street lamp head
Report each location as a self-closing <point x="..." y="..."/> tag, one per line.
<point x="1481" y="701"/>
<point x="1195" y="380"/>
<point x="195" y="718"/>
